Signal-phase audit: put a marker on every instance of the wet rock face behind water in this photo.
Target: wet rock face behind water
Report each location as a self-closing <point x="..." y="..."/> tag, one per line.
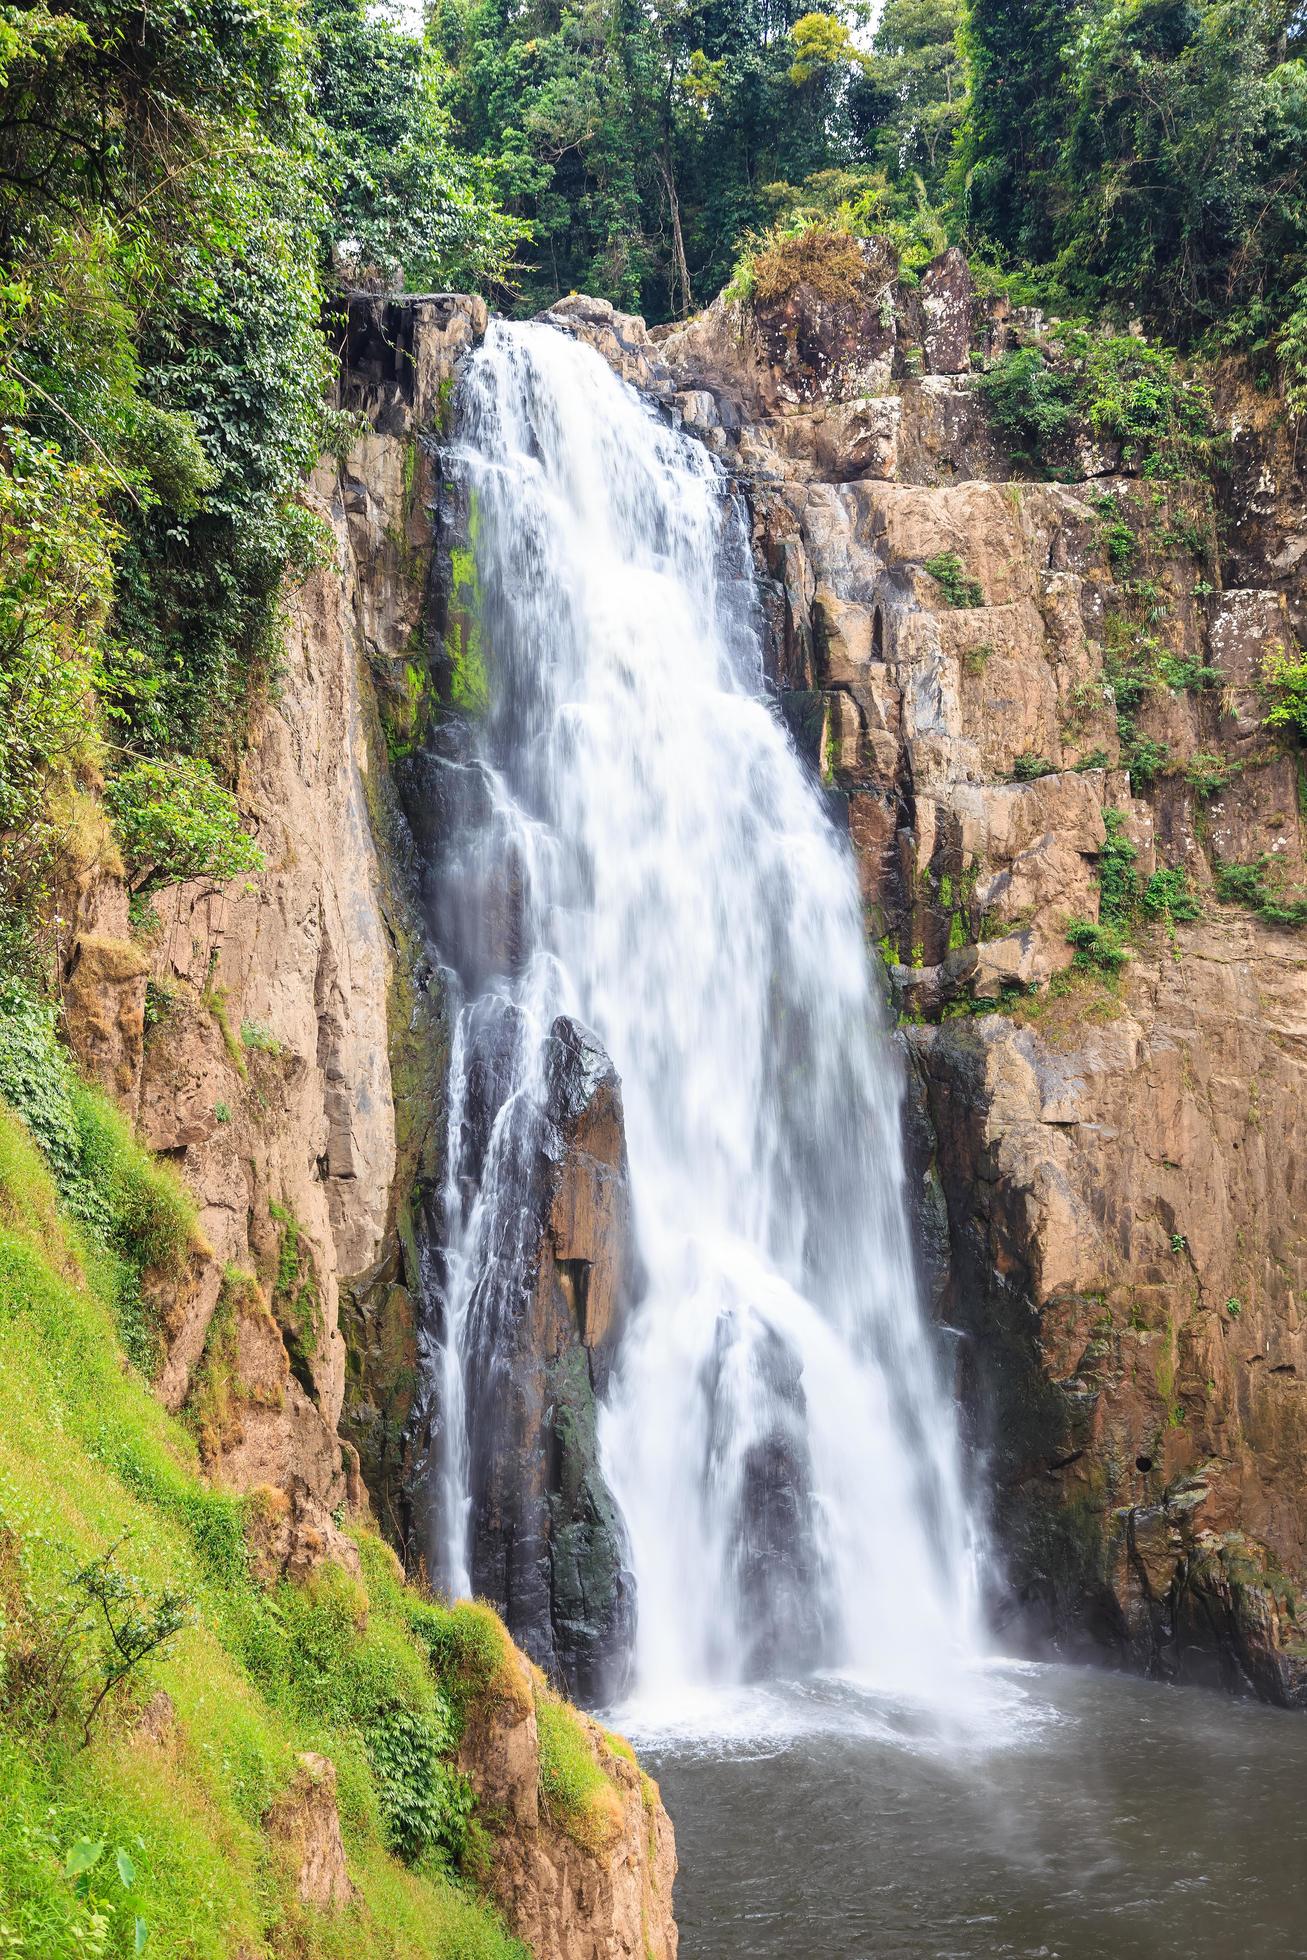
<point x="547" y="1542"/>
<point x="1116" y="1179"/>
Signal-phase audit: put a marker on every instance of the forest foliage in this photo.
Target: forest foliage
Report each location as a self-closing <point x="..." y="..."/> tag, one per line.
<point x="184" y="186"/>
<point x="1143" y="158"/>
<point x="181" y="187"/>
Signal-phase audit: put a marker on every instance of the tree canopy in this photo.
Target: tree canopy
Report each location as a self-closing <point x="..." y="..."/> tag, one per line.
<point x="179" y="187"/>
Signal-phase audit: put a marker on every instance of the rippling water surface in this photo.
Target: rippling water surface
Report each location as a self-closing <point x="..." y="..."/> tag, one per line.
<point x="1058" y="1812"/>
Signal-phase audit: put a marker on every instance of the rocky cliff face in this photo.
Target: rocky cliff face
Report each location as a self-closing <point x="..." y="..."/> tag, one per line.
<point x="1107" y="1170"/>
<point x="1109" y="1203"/>
<point x="282" y="1039"/>
<point x="599" y="1888"/>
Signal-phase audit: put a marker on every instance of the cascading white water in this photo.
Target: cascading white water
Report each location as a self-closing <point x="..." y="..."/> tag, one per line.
<point x="783" y="1455"/>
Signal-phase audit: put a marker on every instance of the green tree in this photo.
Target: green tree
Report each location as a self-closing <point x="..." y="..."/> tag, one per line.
<point x="1180" y="185"/>
<point x="640" y="142"/>
<point x="1151" y="156"/>
<point x="406" y="206"/>
<point x="910" y="99"/>
<point x="169" y="180"/>
<point x="1009" y="146"/>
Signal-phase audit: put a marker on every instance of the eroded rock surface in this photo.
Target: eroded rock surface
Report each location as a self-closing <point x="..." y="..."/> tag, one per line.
<point x="1129" y="1262"/>
<point x="307" y="1822"/>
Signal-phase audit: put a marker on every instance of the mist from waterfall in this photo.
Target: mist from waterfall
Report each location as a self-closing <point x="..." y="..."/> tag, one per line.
<point x="777" y="1433"/>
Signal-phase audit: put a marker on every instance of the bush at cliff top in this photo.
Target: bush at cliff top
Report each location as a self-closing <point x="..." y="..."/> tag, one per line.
<point x="825" y="259"/>
<point x="88" y="1459"/>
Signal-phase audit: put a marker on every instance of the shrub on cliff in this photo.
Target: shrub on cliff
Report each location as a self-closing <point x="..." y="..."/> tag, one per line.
<point x="823" y="259"/>
<point x="1283" y="683"/>
<point x="1110" y="387"/>
<point x="175" y="820"/>
<point x="1031" y="401"/>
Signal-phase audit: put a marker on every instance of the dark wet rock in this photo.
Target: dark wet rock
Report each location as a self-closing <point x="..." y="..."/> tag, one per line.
<point x="547" y="1541"/>
<point x="781" y="1626"/>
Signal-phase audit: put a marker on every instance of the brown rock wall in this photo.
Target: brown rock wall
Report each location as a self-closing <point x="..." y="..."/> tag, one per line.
<point x="605" y="1899"/>
<point x="1120" y="1164"/>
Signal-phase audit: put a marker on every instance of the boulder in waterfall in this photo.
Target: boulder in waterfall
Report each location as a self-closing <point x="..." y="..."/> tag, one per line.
<point x="548" y="1543"/>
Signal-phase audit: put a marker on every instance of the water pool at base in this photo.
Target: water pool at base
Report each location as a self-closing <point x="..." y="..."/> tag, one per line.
<point x="1060" y="1813"/>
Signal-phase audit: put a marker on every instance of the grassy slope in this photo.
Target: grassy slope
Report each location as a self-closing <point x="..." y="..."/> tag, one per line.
<point x="87" y="1455"/>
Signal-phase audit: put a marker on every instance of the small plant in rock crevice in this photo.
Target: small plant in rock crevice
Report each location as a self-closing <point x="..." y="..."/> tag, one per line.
<point x="1166" y="897"/>
<point x="1098" y="948"/>
<point x="1283" y="684"/>
<point x="255" y="1035"/>
<point x="295" y="1297"/>
<point x="1207" y="775"/>
<point x="1260" y="887"/>
<point x="960" y="590"/>
<point x="1116" y="536"/>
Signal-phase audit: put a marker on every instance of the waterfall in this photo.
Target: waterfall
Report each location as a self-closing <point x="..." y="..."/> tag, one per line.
<point x="782" y="1451"/>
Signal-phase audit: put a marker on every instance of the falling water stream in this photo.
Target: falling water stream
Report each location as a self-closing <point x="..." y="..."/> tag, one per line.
<point x="778" y="1434"/>
<point x="683" y="894"/>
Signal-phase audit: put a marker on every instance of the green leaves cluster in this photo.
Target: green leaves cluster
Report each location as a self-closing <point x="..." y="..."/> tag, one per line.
<point x="175" y="820"/>
<point x="1165" y="897"/>
<point x="180" y="188"/>
<point x="426" y="1803"/>
<point x="954" y="581"/>
<point x="1116" y="388"/>
<point x="406" y="207"/>
<point x="1260" y="886"/>
<point x="1149" y="157"/>
<point x="1283" y="683"/>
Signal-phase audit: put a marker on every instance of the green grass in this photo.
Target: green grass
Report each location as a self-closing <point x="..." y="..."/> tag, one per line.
<point x="138" y="1219"/>
<point x="578" y="1796"/>
<point x="88" y="1460"/>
